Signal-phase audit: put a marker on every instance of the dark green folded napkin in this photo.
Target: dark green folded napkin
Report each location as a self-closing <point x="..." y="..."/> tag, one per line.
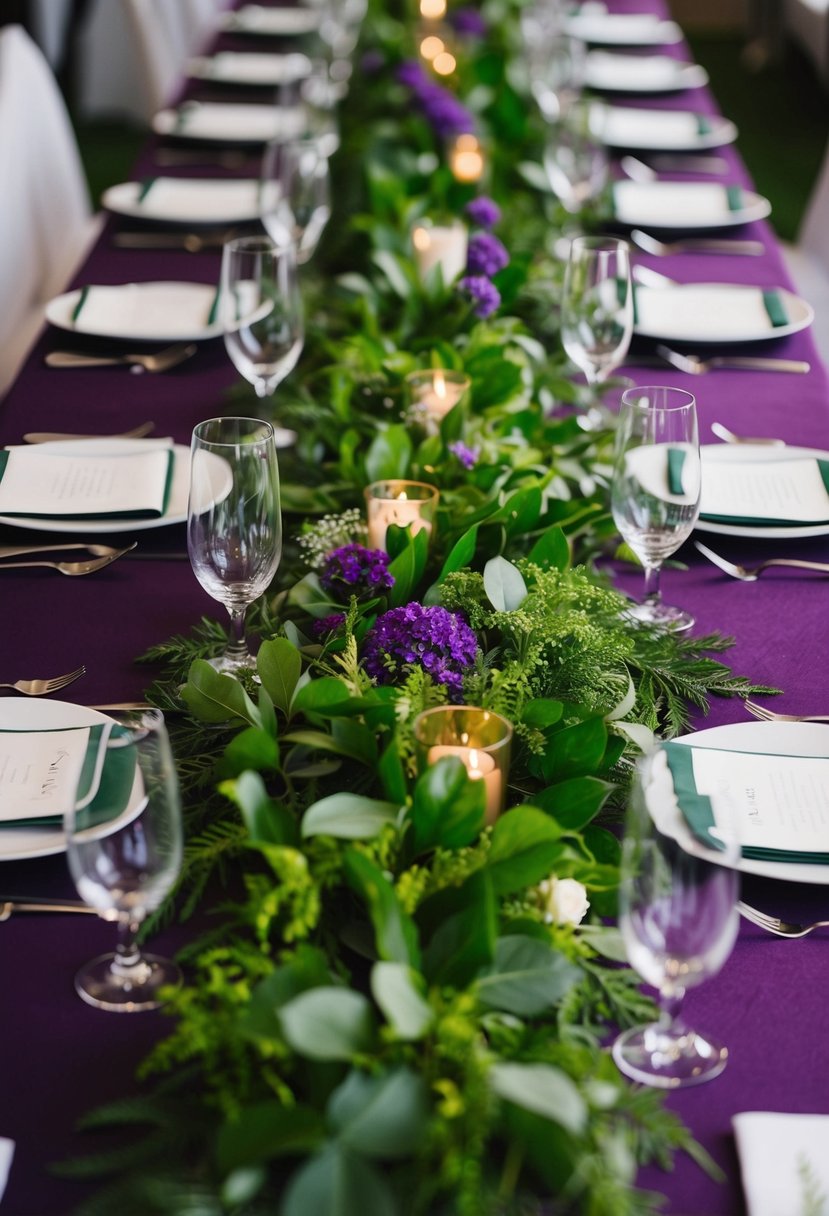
<point x="138" y="513"/>
<point x="735" y="198"/>
<point x="750" y="521"/>
<point x="76" y="311"/>
<point x="698" y="814"/>
<point x="145" y="188"/>
<point x="775" y="308"/>
<point x="703" y="125"/>
<point x="676" y="462"/>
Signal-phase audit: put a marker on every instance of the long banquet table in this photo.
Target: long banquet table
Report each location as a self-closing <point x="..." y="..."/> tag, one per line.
<point x="59" y="1058"/>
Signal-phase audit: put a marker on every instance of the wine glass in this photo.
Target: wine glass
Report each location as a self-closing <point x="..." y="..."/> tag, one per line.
<point x="597" y="305"/>
<point x="655" y="488"/>
<point x="296" y="193"/>
<point x="575" y="160"/>
<point x="124" y="852"/>
<point x="234" y="521"/>
<point x="678" y="917"/>
<point x="261" y="312"/>
<point x="556" y="69"/>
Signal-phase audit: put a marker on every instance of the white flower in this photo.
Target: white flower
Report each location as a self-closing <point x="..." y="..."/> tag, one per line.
<point x="564" y="900"/>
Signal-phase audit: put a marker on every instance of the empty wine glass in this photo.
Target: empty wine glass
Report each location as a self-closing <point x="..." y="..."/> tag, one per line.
<point x="124" y="852"/>
<point x="679" y="920"/>
<point x="234" y="521"/>
<point x="296" y="193"/>
<point x="556" y="69"/>
<point x="261" y="312"/>
<point x="655" y="489"/>
<point x="597" y="305"/>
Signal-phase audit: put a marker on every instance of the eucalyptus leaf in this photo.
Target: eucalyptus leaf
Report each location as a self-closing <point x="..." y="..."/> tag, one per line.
<point x="328" y="1023"/>
<point x="542" y="1089"/>
<point x="463" y="923"/>
<point x="348" y="816"/>
<point x="266" y="1130"/>
<point x="254" y="749"/>
<point x="380" y="1116"/>
<point x="266" y="821"/>
<point x="337" y="1182"/>
<point x="504" y="585"/>
<point x="527" y="977"/>
<point x="398" y="990"/>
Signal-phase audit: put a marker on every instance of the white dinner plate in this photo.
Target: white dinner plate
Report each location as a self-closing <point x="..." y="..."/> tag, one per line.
<point x="189" y="201"/>
<point x="176" y="512"/>
<point x="17" y="844"/>
<point x="684" y="206"/>
<point x="278" y="22"/>
<point x="716" y="312"/>
<point x="766" y="738"/>
<point x="733" y="452"/>
<point x="152" y="312"/>
<point x="622" y="29"/>
<point x="661" y="130"/>
<point x="230" y="122"/>
<point x="266" y="70"/>
<point x="617" y="73"/>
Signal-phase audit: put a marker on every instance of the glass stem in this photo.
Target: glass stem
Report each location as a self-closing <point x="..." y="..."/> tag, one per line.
<point x="671" y="998"/>
<point x="652" y="593"/>
<point x="127" y="963"/>
<point x="237" y="650"/>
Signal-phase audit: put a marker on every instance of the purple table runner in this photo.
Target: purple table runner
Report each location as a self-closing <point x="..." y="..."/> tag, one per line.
<point x="59" y="1058"/>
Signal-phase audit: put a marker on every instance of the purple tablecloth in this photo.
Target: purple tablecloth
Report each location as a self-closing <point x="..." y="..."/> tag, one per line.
<point x="59" y="1057"/>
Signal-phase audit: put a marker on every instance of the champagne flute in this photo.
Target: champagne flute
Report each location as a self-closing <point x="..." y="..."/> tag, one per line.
<point x="296" y="193"/>
<point x="234" y="521"/>
<point x="597" y="311"/>
<point x="655" y="488"/>
<point x="261" y="312"/>
<point x="678" y="917"/>
<point x="124" y="851"/>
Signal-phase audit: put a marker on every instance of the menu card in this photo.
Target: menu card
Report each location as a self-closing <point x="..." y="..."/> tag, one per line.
<point x="198" y="199"/>
<point x="42" y="771"/>
<point x="709" y="311"/>
<point x="145" y="310"/>
<point x="129" y="485"/>
<point x="675" y="204"/>
<point x="783" y="1162"/>
<point x="776" y="805"/>
<point x="771" y="492"/>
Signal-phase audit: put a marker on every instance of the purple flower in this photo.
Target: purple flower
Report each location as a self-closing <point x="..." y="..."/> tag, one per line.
<point x="439" y="641"/>
<point x="483" y="212"/>
<point x="441" y="108"/>
<point x="468" y="21"/>
<point x="329" y="624"/>
<point x="354" y="570"/>
<point x="413" y="75"/>
<point x="486" y="254"/>
<point x="467" y="456"/>
<point x="483" y="291"/>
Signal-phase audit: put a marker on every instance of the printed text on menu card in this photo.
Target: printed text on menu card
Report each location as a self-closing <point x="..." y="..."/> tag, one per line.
<point x="39" y="771"/>
<point x="784" y="489"/>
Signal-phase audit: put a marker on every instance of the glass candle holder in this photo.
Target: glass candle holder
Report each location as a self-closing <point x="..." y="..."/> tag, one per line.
<point x="434" y="392"/>
<point x="479" y="738"/>
<point x="443" y="245"/>
<point x="404" y="503"/>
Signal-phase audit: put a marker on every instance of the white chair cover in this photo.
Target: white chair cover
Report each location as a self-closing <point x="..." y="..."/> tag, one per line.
<point x="168" y="32"/>
<point x="808" y="260"/>
<point x="45" y="216"/>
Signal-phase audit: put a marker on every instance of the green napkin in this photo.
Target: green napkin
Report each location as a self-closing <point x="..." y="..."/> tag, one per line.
<point x="699" y="816"/>
<point x="775" y="308"/>
<point x="676" y="461"/>
<point x="138" y="513"/>
<point x="76" y="311"/>
<point x="703" y="125"/>
<point x="735" y="198"/>
<point x="146" y="186"/>
<point x="753" y="521"/>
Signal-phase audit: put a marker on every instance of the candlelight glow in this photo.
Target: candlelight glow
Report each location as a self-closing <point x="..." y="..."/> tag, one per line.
<point x="421" y="239"/>
<point x="432" y="10"/>
<point x="466" y="159"/>
<point x="440" y="384"/>
<point x="432" y="48"/>
<point x="444" y="63"/>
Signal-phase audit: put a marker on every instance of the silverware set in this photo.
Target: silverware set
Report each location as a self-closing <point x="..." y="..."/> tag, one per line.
<point x="770" y="715"/>
<point x="190" y="242"/>
<point x="750" y="574"/>
<point x="775" y="924"/>
<point x="159" y="361"/>
<point x="650" y="244"/>
<point x="100" y="556"/>
<point x="41" y="688"/>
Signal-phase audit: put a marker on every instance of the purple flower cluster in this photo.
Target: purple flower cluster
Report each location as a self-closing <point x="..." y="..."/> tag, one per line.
<point x="329" y="624"/>
<point x="440" y="107"/>
<point x="466" y="455"/>
<point x="439" y="641"/>
<point x="483" y="291"/>
<point x="485" y="255"/>
<point x="354" y="570"/>
<point x="483" y="212"/>
<point x="468" y="22"/>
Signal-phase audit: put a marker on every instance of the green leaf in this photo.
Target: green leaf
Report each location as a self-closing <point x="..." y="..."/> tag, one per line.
<point x="340" y="742"/>
<point x="394" y="930"/>
<point x="461" y="553"/>
<point x="319" y="696"/>
<point x="392" y="774"/>
<point x="266" y="821"/>
<point x="279" y="665"/>
<point x="527" y="977"/>
<point x="504" y="586"/>
<point x="213" y="697"/>
<point x="393" y="268"/>
<point x="542" y="1089"/>
<point x="337" y="1182"/>
<point x="355" y="740"/>
<point x="521" y="511"/>
<point x="407" y="568"/>
<point x="389" y="455"/>
<point x="266" y="1130"/>
<point x="349" y="816"/>
<point x="307" y="969"/>
<point x="251" y="749"/>
<point x="381" y="1116"/>
<point x="447" y="809"/>
<point x="575" y="802"/>
<point x="575" y="751"/>
<point x="328" y="1023"/>
<point x="463" y="923"/>
<point x="542" y="712"/>
<point x="525" y="846"/>
<point x="397" y="989"/>
<point x="551" y="550"/>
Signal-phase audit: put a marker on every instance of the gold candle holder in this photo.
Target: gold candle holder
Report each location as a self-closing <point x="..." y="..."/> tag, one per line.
<point x="434" y="392"/>
<point x="479" y="738"/>
<point x="443" y="245"/>
<point x="404" y="503"/>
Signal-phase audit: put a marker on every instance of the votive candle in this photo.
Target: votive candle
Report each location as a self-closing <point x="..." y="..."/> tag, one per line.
<point x="479" y="738"/>
<point x="435" y="391"/>
<point x="404" y="503"/>
<point x="443" y="245"/>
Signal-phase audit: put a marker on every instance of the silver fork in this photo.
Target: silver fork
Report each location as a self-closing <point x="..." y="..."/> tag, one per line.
<point x="38" y="688"/>
<point x="698" y="367"/>
<point x="95" y="550"/>
<point x="73" y="569"/>
<point x="727" y="436"/>
<point x="750" y="574"/>
<point x="774" y="924"/>
<point x="160" y="361"/>
<point x="770" y="715"/>
<point x="694" y="245"/>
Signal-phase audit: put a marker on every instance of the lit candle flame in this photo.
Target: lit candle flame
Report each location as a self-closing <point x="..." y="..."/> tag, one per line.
<point x="421" y="239"/>
<point x="440" y="384"/>
<point x="432" y="10"/>
<point x="444" y="63"/>
<point x="433" y="48"/>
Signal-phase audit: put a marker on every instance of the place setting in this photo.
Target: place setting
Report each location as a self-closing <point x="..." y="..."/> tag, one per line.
<point x="229" y="122"/>
<point x="615" y="72"/>
<point x="661" y="130"/>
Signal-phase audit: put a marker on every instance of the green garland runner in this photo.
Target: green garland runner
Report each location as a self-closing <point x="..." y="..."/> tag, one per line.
<point x="402" y="1010"/>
